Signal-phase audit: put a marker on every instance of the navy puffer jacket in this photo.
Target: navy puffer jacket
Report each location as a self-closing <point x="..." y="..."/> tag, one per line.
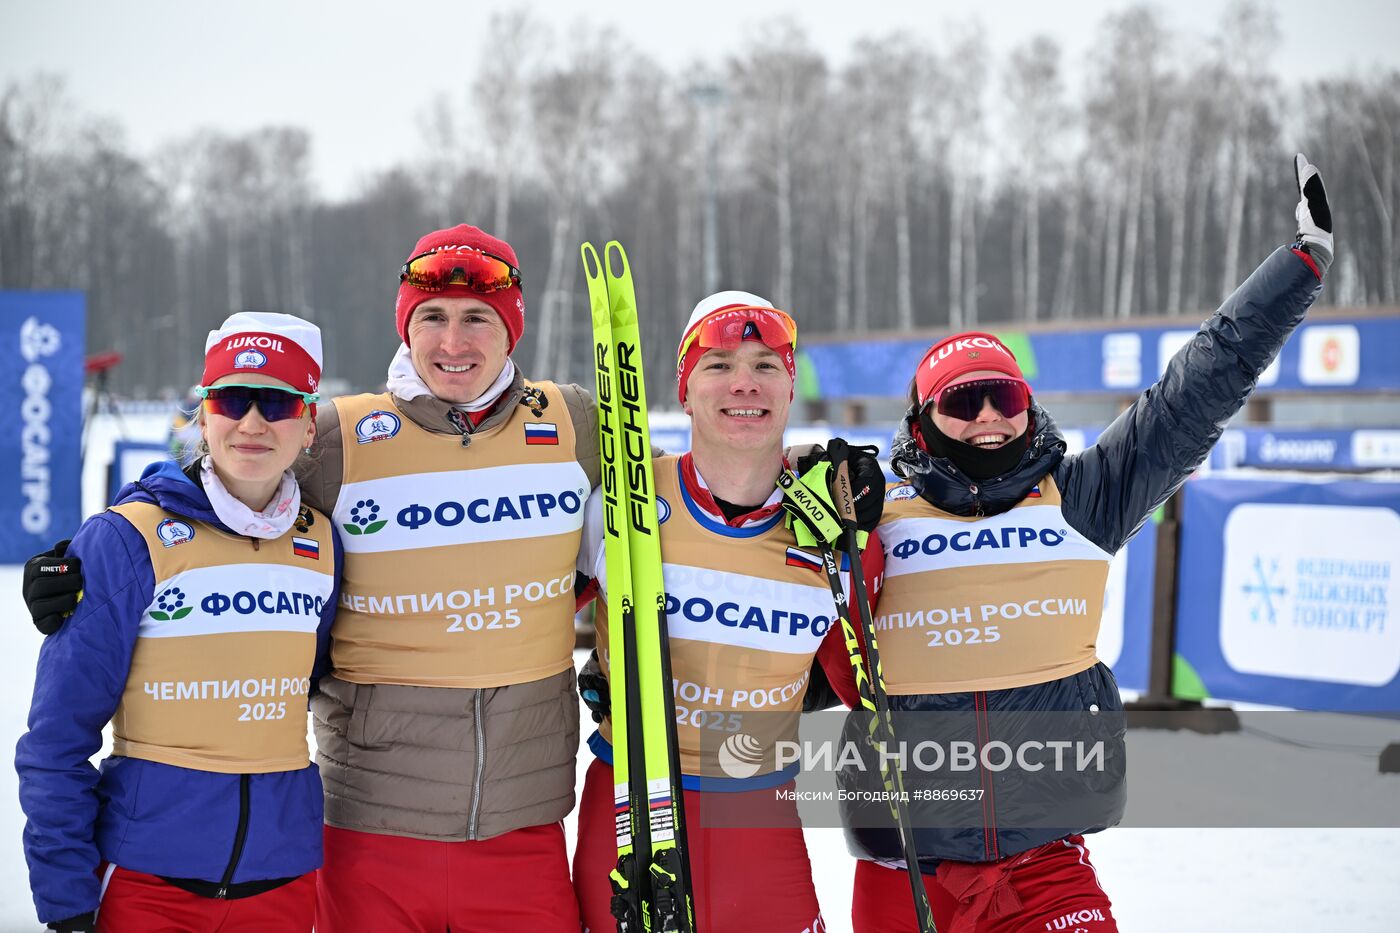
<point x="1109" y="491"/>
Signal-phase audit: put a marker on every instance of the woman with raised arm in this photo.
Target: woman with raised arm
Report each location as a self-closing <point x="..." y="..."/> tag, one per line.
<point x="997" y="547"/>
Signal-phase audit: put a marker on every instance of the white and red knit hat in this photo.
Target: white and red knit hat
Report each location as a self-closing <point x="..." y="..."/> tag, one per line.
<point x="716" y="306"/>
<point x="282" y="346"/>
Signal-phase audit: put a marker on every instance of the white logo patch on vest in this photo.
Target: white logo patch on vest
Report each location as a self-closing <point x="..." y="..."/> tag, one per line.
<point x="377" y="426"/>
<point x="172" y="532"/>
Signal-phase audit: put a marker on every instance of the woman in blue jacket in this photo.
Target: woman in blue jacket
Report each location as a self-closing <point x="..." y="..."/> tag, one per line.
<point x="996" y="551"/>
<point x="209" y="594"/>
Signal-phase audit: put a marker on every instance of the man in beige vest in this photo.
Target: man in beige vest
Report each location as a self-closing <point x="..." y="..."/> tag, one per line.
<point x="449" y="728"/>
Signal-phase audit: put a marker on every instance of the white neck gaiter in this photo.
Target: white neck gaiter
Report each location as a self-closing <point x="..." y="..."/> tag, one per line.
<point x="405" y="383"/>
<point x="242" y="520"/>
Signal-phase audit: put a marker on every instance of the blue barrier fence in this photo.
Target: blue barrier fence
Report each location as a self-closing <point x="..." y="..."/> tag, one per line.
<point x="1328" y="355"/>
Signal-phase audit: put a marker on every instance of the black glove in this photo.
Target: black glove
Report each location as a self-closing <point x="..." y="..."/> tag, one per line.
<point x="53" y="587"/>
<point x="83" y="923"/>
<point x="593" y="687"/>
<point x="867" y="478"/>
<point x="1313" y="213"/>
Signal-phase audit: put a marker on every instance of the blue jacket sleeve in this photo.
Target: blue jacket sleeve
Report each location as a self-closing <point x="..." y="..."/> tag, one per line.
<point x="323" y="631"/>
<point x="81" y="674"/>
<point x="1146" y="454"/>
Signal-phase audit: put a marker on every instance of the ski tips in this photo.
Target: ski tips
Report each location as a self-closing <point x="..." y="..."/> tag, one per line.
<point x="618" y="267"/>
<point x="592" y="265"/>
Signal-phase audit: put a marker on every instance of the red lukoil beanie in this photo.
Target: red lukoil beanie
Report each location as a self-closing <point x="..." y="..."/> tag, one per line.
<point x="509" y="303"/>
<point x="958" y="355"/>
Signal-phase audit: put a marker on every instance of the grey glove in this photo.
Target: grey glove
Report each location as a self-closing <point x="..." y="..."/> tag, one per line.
<point x="1314" y="216"/>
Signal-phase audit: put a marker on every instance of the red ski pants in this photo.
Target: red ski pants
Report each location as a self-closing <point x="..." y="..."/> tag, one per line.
<point x="746" y="880"/>
<point x="392" y="884"/>
<point x="134" y="902"/>
<point x="1050" y="888"/>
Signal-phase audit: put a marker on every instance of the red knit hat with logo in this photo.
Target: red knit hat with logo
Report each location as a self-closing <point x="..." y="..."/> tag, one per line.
<point x="956" y="356"/>
<point x="509" y="303"/>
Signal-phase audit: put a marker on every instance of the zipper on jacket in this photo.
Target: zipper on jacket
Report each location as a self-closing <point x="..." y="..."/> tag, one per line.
<point x="991" y="850"/>
<point x="480" y="765"/>
<point x="463" y="425"/>
<point x="239" y="837"/>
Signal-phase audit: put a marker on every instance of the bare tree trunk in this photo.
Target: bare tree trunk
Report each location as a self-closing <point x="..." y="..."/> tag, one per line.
<point x="904" y="273"/>
<point x="1063" y="305"/>
<point x="1033" y="253"/>
<point x="1110" y="257"/>
<point x="1234" y="219"/>
<point x="956" y="231"/>
<point x="545" y="346"/>
<point x="1132" y="225"/>
<point x="686" y="251"/>
<point x="1196" y="242"/>
<point x="931" y="279"/>
<point x="267" y="274"/>
<point x="861" y="273"/>
<point x="183" y="252"/>
<point x="500" y="216"/>
<point x="971" y="280"/>
<point x="783" y="298"/>
<point x="234" y="267"/>
<point x="563" y="307"/>
<point x="301" y="268"/>
<point x="1018" y="259"/>
<point x="841" y="256"/>
<point x="1381" y="201"/>
<point x="1176" y="266"/>
<point x="1151" y="290"/>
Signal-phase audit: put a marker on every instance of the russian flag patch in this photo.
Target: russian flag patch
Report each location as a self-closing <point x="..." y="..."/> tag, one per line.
<point x="796" y="557"/>
<point x="541" y="432"/>
<point x="306" y="547"/>
<point x="1034" y="493"/>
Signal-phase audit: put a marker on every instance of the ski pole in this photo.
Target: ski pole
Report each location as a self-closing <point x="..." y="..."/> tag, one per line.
<point x="873" y="697"/>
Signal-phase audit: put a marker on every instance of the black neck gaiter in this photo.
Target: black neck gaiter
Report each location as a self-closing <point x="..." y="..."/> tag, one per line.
<point x="977" y="463"/>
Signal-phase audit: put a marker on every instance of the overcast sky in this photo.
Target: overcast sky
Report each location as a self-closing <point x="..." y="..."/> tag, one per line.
<point x="357" y="74"/>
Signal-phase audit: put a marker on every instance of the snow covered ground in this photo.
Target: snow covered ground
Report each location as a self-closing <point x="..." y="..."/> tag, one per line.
<point x="1232" y="881"/>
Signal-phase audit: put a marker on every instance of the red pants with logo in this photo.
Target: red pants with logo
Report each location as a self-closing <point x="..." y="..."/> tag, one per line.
<point x="1053" y="887"/>
<point x="517" y="881"/>
<point x="750" y="879"/>
<point x="134" y="902"/>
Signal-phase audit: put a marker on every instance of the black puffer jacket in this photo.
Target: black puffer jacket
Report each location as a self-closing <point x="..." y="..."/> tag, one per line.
<point x="1108" y="492"/>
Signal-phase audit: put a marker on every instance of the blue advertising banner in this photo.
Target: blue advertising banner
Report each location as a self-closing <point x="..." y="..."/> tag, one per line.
<point x="1286" y="592"/>
<point x="1283" y="449"/>
<point x="1335" y="354"/>
<point x="41" y="385"/>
